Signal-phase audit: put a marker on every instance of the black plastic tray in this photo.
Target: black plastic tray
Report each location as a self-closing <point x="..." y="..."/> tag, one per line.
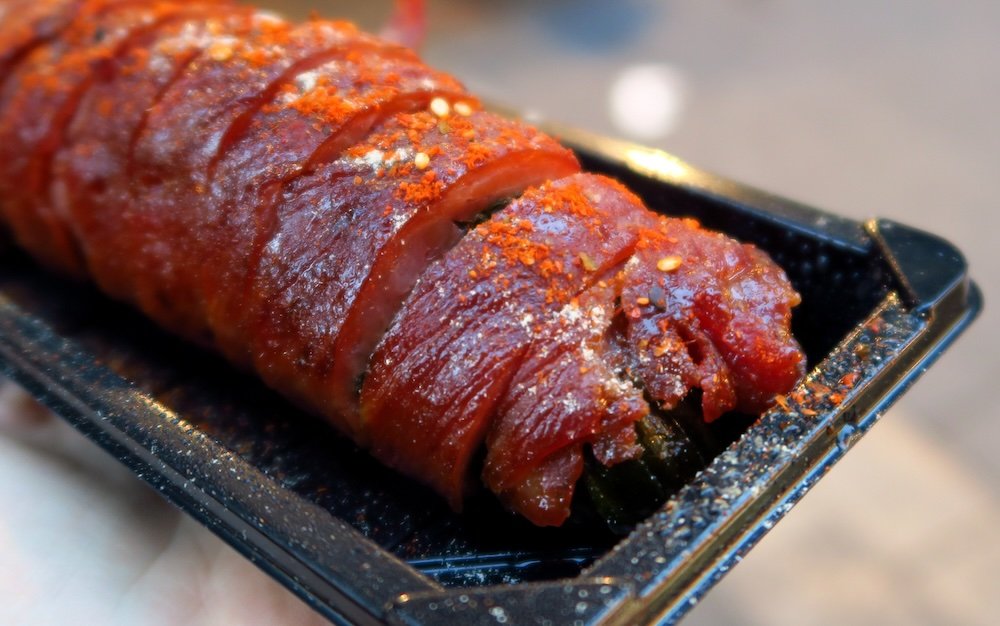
<point x="362" y="544"/>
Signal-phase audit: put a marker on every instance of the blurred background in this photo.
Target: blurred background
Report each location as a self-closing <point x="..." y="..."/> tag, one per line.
<point x="860" y="107"/>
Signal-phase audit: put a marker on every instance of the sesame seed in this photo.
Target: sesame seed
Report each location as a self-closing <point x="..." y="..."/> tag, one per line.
<point x="463" y="109"/>
<point x="421" y="160"/>
<point x="220" y="52"/>
<point x="668" y="263"/>
<point x="440" y="107"/>
<point x="642" y="301"/>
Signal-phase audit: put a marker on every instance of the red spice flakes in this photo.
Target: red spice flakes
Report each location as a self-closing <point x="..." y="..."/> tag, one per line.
<point x="257" y="57"/>
<point x="798" y="397"/>
<point x="422" y="192"/>
<point x="325" y="101"/>
<point x="819" y="389"/>
<point x="512" y="245"/>
<point x="550" y="267"/>
<point x="654" y="238"/>
<point x="477" y="154"/>
<point x="782" y="401"/>
<point x="849" y="379"/>
<point x="278" y="33"/>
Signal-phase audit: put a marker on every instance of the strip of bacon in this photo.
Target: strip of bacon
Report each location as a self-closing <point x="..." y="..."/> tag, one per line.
<point x="35" y="115"/>
<point x="448" y="359"/>
<point x="313" y="117"/>
<point x="355" y="236"/>
<point x="277" y="191"/>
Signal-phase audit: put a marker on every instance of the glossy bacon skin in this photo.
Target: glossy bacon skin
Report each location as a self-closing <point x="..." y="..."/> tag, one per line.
<point x="298" y="197"/>
<point x="39" y="97"/>
<point x="509" y="340"/>
<point x="390" y="225"/>
<point x="479" y="317"/>
<point x="707" y="312"/>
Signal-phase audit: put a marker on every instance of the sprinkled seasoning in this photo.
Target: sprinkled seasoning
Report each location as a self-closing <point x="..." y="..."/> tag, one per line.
<point x="425" y="191"/>
<point x="403" y="193"/>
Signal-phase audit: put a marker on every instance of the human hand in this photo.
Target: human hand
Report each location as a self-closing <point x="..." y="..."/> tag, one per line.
<point x="82" y="540"/>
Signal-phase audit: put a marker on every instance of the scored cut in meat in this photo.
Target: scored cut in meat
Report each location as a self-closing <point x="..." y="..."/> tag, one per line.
<point x="301" y="197"/>
<point x="565" y="395"/>
<point x="187" y="126"/>
<point x="463" y="333"/>
<point x="313" y="117"/>
<point x="28" y="24"/>
<point x="88" y="182"/>
<point x="382" y="206"/>
<point x="38" y="105"/>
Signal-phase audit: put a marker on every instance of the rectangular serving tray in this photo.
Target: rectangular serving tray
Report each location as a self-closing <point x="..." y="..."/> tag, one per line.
<point x="362" y="544"/>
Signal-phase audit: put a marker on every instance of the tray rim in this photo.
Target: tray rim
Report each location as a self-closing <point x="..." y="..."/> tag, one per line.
<point x="400" y="594"/>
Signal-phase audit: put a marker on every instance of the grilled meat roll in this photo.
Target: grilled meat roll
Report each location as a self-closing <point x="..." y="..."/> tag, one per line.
<point x="324" y="209"/>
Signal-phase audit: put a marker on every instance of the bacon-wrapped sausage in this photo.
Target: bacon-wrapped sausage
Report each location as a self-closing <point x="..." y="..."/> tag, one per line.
<point x="323" y="208"/>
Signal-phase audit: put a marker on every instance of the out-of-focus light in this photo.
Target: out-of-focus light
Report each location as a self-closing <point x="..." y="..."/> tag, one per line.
<point x="646" y="101"/>
<point x="656" y="163"/>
